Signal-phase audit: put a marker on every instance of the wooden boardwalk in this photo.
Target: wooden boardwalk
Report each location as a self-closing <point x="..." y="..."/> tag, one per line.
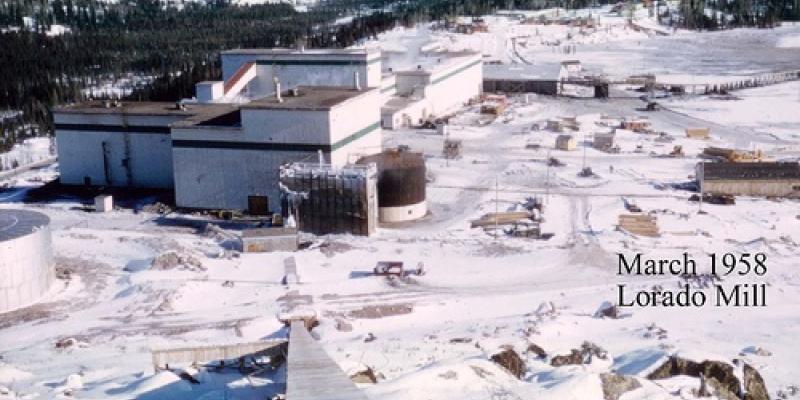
<point x="311" y="374"/>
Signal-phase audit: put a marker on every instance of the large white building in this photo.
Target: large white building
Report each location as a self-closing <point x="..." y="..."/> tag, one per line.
<point x="221" y="162"/>
<point x="272" y="107"/>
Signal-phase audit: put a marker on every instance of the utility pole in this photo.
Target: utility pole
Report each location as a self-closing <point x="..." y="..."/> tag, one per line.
<point x="496" y="206"/>
<point x="700" y="174"/>
<point x="547" y="180"/>
<point x="584" y="151"/>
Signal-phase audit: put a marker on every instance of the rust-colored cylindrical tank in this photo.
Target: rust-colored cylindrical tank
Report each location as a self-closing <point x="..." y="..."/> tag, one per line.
<point x="401" y="184"/>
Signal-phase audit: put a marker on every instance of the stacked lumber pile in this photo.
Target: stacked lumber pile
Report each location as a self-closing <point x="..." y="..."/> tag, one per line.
<point x="733" y="155"/>
<point x="501" y="218"/>
<point x="698" y="133"/>
<point x="639" y="224"/>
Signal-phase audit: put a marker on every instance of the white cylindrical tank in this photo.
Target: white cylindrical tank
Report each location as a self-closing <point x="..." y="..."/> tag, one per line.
<point x="26" y="258"/>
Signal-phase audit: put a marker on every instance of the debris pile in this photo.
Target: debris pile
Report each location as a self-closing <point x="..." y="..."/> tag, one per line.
<point x="584" y="355"/>
<point x="172" y="259"/>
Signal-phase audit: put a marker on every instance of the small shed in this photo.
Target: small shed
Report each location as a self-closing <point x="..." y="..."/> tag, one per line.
<point x="636" y="124"/>
<point x="698" y="133"/>
<point x="565" y="142"/>
<point x="554" y="125"/>
<point x="264" y="240"/>
<point x="603" y="141"/>
<point x="104" y="203"/>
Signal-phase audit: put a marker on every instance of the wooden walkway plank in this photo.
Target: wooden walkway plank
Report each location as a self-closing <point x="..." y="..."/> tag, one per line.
<point x="312" y="374"/>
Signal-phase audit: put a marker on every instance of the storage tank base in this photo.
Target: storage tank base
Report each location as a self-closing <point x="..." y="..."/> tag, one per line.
<point x="403" y="213"/>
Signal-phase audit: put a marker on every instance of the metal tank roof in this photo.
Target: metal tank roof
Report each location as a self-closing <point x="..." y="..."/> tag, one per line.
<point x="18" y="223"/>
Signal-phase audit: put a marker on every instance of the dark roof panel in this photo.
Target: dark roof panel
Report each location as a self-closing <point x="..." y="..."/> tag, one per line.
<point x="751" y="171"/>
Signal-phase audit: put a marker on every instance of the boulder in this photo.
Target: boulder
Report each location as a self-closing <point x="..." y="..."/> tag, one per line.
<point x="511" y="361"/>
<point x="754" y="387"/>
<point x="366" y="375"/>
<point x="535" y="349"/>
<point x="607" y="310"/>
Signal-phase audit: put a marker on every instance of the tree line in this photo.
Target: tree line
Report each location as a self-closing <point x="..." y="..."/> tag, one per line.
<point x="177" y="43"/>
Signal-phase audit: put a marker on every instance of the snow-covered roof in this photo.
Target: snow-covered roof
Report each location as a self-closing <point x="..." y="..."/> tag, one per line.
<point x="18" y="223"/>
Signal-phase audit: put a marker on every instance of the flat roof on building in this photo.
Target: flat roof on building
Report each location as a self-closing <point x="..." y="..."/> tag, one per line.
<point x="427" y="63"/>
<point x="18" y="223"/>
<point x="311" y="98"/>
<point x="309" y="52"/>
<point x="147" y="108"/>
<point x="751" y="170"/>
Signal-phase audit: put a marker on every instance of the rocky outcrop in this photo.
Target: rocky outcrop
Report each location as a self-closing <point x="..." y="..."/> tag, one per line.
<point x="615" y="385"/>
<point x="718" y="375"/>
<point x="511" y="361"/>
<point x="754" y="387"/>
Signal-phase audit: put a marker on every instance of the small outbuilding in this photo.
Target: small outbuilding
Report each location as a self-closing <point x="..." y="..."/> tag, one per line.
<point x="565" y="142"/>
<point x="104" y="203"/>
<point x="638" y="125"/>
<point x="768" y="179"/>
<point x="603" y="141"/>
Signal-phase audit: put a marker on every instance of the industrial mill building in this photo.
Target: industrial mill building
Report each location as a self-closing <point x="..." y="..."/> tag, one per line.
<point x="224" y="149"/>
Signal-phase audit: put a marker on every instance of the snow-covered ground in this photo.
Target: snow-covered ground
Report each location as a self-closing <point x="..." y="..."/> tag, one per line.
<point x="615" y="47"/>
<point x="480" y="292"/>
<point x="773" y="109"/>
<point x="30" y="151"/>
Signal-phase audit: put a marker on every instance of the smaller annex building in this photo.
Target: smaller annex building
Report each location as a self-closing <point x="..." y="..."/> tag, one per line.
<point x="434" y="87"/>
<point x="115" y="144"/>
<point x="769" y="179"/>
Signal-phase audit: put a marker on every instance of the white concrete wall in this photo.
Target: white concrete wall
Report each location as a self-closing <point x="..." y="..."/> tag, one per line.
<point x="311" y="74"/>
<point x="209" y="91"/>
<point x="407" y="82"/>
<point x="388" y="87"/>
<point x="454" y="85"/>
<point x="412" y="114"/>
<point x="355" y="116"/>
<point x="26" y="269"/>
<point x="286" y="126"/>
<point x="772" y="188"/>
<point x="403" y="213"/>
<point x="224" y="178"/>
<point x="80" y="152"/>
